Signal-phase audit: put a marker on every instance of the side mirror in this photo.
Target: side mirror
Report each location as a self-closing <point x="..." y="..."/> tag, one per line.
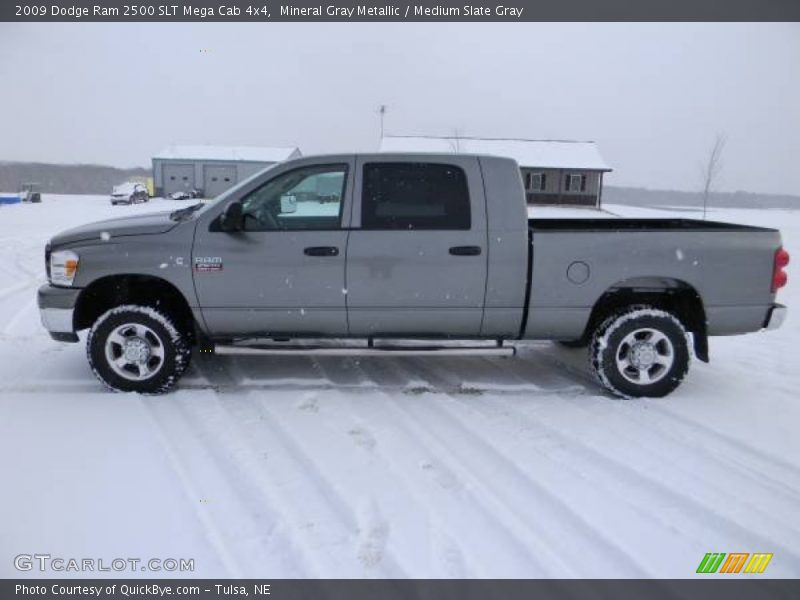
<point x="232" y="218"/>
<point x="288" y="204"/>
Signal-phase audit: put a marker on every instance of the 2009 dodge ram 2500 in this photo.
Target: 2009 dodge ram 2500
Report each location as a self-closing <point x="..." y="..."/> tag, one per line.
<point x="417" y="246"/>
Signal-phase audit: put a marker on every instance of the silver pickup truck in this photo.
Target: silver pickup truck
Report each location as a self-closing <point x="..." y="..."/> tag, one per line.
<point x="383" y="247"/>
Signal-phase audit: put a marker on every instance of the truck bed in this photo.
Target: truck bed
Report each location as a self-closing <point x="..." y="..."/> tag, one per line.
<point x="637" y="225"/>
<point x="574" y="262"/>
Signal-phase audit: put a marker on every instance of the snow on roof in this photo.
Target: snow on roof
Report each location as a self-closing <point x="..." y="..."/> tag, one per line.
<point x="232" y="153"/>
<point x="544" y="154"/>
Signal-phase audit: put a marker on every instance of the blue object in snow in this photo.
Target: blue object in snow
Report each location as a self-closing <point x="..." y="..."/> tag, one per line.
<point x="10" y="199"/>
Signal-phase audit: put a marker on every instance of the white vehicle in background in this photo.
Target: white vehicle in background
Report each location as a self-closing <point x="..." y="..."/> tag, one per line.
<point x="184" y="195"/>
<point x="129" y="193"/>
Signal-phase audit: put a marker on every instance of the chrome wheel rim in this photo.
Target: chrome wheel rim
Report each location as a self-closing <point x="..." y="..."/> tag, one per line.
<point x="645" y="356"/>
<point x="134" y="352"/>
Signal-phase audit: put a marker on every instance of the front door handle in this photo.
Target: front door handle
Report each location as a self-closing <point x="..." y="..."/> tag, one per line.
<point x="465" y="250"/>
<point x="321" y="251"/>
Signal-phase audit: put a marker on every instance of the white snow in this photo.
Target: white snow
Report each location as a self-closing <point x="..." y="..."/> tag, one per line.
<point x="569" y="212"/>
<point x="231" y="153"/>
<point x="544" y="154"/>
<point x="296" y="466"/>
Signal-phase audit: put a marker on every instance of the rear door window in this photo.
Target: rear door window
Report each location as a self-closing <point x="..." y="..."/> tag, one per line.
<point x="414" y="196"/>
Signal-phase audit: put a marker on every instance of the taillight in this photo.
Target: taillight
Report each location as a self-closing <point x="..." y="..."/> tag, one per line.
<point x="779" y="277"/>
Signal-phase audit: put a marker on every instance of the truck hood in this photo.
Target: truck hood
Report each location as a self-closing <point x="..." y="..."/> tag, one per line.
<point x="150" y="224"/>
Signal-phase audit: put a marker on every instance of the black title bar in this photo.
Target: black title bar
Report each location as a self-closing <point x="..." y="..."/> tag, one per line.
<point x="408" y="10"/>
<point x="711" y="588"/>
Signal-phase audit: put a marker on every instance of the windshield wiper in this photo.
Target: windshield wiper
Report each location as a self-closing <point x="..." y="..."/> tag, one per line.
<point x="183" y="213"/>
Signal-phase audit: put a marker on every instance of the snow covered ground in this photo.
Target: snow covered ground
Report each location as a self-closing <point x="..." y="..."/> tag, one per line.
<point x="392" y="467"/>
<point x="568" y="212"/>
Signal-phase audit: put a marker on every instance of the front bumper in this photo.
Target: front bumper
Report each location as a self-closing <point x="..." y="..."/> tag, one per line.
<point x="775" y="317"/>
<point x="57" y="310"/>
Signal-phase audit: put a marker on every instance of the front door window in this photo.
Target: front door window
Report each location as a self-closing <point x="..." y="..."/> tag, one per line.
<point x="309" y="198"/>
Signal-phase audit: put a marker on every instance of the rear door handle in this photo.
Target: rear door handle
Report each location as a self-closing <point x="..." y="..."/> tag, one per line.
<point x="465" y="250"/>
<point x="321" y="251"/>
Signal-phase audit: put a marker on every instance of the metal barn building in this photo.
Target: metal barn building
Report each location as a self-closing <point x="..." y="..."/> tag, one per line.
<point x="555" y="172"/>
<point x="211" y="169"/>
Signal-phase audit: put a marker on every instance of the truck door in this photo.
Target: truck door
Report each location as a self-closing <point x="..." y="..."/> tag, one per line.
<point x="417" y="253"/>
<point x="283" y="275"/>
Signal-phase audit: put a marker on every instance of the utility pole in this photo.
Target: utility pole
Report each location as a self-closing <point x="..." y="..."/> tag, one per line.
<point x="382" y="114"/>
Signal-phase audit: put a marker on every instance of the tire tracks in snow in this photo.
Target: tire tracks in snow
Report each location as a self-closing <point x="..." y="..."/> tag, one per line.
<point x="416" y="469"/>
<point x="440" y="485"/>
<point x="380" y="388"/>
<point x="464" y="458"/>
<point x="738" y="461"/>
<point x="729" y="442"/>
<point x="212" y="533"/>
<point x="594" y="456"/>
<point x="317" y="519"/>
<point x="234" y="509"/>
<point x="16" y="288"/>
<point x="656" y="493"/>
<point x="526" y="498"/>
<point x="316" y="507"/>
<point x="753" y="465"/>
<point x="748" y="457"/>
<point x="17" y="317"/>
<point x="28" y="277"/>
<point x="513" y="493"/>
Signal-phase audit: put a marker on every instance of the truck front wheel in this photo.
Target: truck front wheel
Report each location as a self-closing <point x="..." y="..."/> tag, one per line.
<point x="640" y="351"/>
<point x="135" y="348"/>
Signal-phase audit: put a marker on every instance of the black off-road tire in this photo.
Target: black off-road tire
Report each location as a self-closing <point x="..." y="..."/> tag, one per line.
<point x="609" y="343"/>
<point x="174" y="345"/>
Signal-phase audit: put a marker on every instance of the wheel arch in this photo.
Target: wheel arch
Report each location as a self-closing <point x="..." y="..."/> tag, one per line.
<point x="132" y="288"/>
<point x="675" y="296"/>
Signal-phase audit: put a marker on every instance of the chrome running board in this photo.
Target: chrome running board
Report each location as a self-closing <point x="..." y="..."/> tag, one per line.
<point x="272" y="350"/>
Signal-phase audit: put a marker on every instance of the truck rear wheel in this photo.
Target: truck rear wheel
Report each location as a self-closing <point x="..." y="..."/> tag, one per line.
<point x="640" y="352"/>
<point x="134" y="348"/>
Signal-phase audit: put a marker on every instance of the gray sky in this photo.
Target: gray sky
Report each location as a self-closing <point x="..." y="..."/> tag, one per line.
<point x="652" y="95"/>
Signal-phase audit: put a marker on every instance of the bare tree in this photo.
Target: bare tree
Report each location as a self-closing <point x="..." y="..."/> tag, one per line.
<point x="711" y="169"/>
<point x="455" y="142"/>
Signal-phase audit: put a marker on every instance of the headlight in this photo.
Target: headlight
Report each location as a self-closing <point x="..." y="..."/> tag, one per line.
<point x="63" y="267"/>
